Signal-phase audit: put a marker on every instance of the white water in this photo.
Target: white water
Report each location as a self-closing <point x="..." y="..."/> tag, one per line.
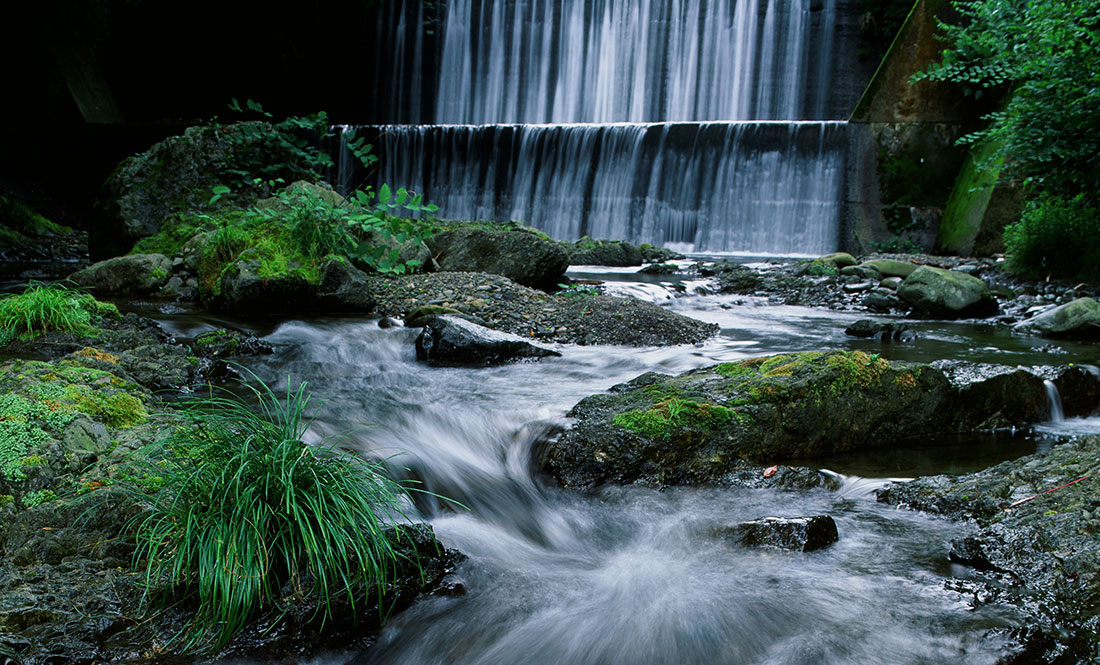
<point x="721" y="187"/>
<point x="628" y="575"/>
<point x="532" y="61"/>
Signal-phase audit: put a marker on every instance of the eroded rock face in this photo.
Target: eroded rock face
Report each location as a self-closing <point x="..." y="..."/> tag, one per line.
<point x="521" y="256"/>
<point x="795" y="534"/>
<point x="1079" y="319"/>
<point x="450" y="340"/>
<point x="133" y="275"/>
<point x="947" y="293"/>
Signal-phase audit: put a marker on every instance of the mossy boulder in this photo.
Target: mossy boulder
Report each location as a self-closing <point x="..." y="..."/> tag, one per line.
<point x="838" y="259"/>
<point x="891" y="267"/>
<point x="1079" y="319"/>
<point x="947" y="293"/>
<point x="253" y="284"/>
<point x="616" y="253"/>
<point x="122" y="276"/>
<point x="525" y="258"/>
<point x="707" y="425"/>
<point x="702" y="425"/>
<point x="178" y="175"/>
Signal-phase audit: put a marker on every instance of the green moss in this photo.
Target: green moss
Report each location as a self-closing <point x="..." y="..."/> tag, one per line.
<point x="822" y="269"/>
<point x="5" y="499"/>
<point x="966" y="206"/>
<point x="664" y="418"/>
<point x="857" y="370"/>
<point x="20" y="225"/>
<point x="34" y="460"/>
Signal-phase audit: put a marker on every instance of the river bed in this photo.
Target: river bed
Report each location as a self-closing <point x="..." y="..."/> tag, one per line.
<point x="637" y="575"/>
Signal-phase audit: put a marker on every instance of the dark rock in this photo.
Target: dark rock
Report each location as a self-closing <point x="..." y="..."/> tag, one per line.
<point x="1079" y="389"/>
<point x="653" y="254"/>
<point x="449" y="340"/>
<point x="877" y="302"/>
<point x="616" y="253"/>
<point x="133" y="275"/>
<point x="946" y="293"/>
<point x="523" y="257"/>
<point x="1079" y="319"/>
<point x="886" y="330"/>
<point x="862" y="271"/>
<point x="225" y="343"/>
<point x="796" y="534"/>
<point x="343" y="288"/>
<point x="660" y="269"/>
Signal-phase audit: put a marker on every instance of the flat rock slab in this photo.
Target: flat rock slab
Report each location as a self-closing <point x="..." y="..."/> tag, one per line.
<point x="795" y="534"/>
<point x="450" y="340"/>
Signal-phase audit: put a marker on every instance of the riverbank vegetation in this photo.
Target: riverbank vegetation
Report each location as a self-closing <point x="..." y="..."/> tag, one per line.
<point x="1044" y="58"/>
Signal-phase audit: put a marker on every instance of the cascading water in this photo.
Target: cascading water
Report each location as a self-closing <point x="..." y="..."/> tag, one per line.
<point x="760" y="187"/>
<point x="667" y="82"/>
<point x="1055" y="399"/>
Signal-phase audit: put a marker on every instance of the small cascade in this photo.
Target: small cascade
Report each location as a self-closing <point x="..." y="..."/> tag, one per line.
<point x="1055" y="398"/>
<point x="753" y="187"/>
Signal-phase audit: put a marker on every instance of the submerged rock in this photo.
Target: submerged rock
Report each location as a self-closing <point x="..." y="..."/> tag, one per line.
<point x="796" y="534"/>
<point x="521" y="256"/>
<point x="870" y="328"/>
<point x="450" y="340"/>
<point x="947" y="293"/>
<point x="1079" y="319"/>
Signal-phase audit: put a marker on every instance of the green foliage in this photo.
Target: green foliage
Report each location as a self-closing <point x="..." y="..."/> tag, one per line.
<point x="19" y="434"/>
<point x="1046" y="55"/>
<point x="574" y="291"/>
<point x="45" y="308"/>
<point x="39" y="497"/>
<point x="248" y="507"/>
<point x="19" y="223"/>
<point x="1056" y="236"/>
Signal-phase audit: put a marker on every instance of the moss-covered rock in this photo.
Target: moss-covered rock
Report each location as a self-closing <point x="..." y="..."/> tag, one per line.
<point x="132" y="275"/>
<point x="707" y="425"/>
<point x="587" y="251"/>
<point x="1078" y="319"/>
<point x="947" y="293"/>
<point x="178" y="175"/>
<point x="522" y="257"/>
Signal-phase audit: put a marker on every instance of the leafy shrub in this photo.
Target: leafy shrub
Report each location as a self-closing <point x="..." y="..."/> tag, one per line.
<point x="50" y="307"/>
<point x="1056" y="236"/>
<point x="247" y="507"/>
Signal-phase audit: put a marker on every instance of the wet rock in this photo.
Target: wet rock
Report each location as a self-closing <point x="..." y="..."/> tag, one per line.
<point x="945" y="293"/>
<point x="123" y="276"/>
<point x="660" y="269"/>
<point x="995" y="396"/>
<point x="1079" y="389"/>
<point x="615" y="253"/>
<point x="891" y="283"/>
<point x="523" y="257"/>
<point x="653" y="254"/>
<point x="885" y="330"/>
<point x="701" y="425"/>
<point x="343" y="289"/>
<point x="248" y="287"/>
<point x="878" y="302"/>
<point x="226" y="343"/>
<point x="449" y="340"/>
<point x="1079" y="319"/>
<point x="796" y="534"/>
<point x="858" y="287"/>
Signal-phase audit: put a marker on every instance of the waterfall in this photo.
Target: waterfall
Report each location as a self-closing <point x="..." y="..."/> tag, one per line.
<point x="753" y="187"/>
<point x="703" y="124"/>
<point x="1055" y="398"/>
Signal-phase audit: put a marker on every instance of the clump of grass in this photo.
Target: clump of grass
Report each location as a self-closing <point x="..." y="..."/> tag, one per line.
<point x="247" y="507"/>
<point x="44" y="308"/>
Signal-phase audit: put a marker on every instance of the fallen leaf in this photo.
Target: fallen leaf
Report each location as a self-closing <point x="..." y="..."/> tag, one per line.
<point x="770" y="471"/>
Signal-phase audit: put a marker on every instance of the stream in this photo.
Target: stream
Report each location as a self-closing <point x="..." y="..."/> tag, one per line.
<point x="634" y="575"/>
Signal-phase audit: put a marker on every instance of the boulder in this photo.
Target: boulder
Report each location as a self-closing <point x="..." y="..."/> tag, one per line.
<point x="886" y="330"/>
<point x="450" y="340"/>
<point x="704" y="424"/>
<point x="249" y="286"/>
<point x="1079" y="319"/>
<point x="796" y="534"/>
<point x="521" y="256"/>
<point x="126" y="276"/>
<point x="890" y="267"/>
<point x="839" y="259"/>
<point x="615" y="253"/>
<point x="226" y="343"/>
<point x="861" y="271"/>
<point x="946" y="293"/>
<point x="178" y="175"/>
